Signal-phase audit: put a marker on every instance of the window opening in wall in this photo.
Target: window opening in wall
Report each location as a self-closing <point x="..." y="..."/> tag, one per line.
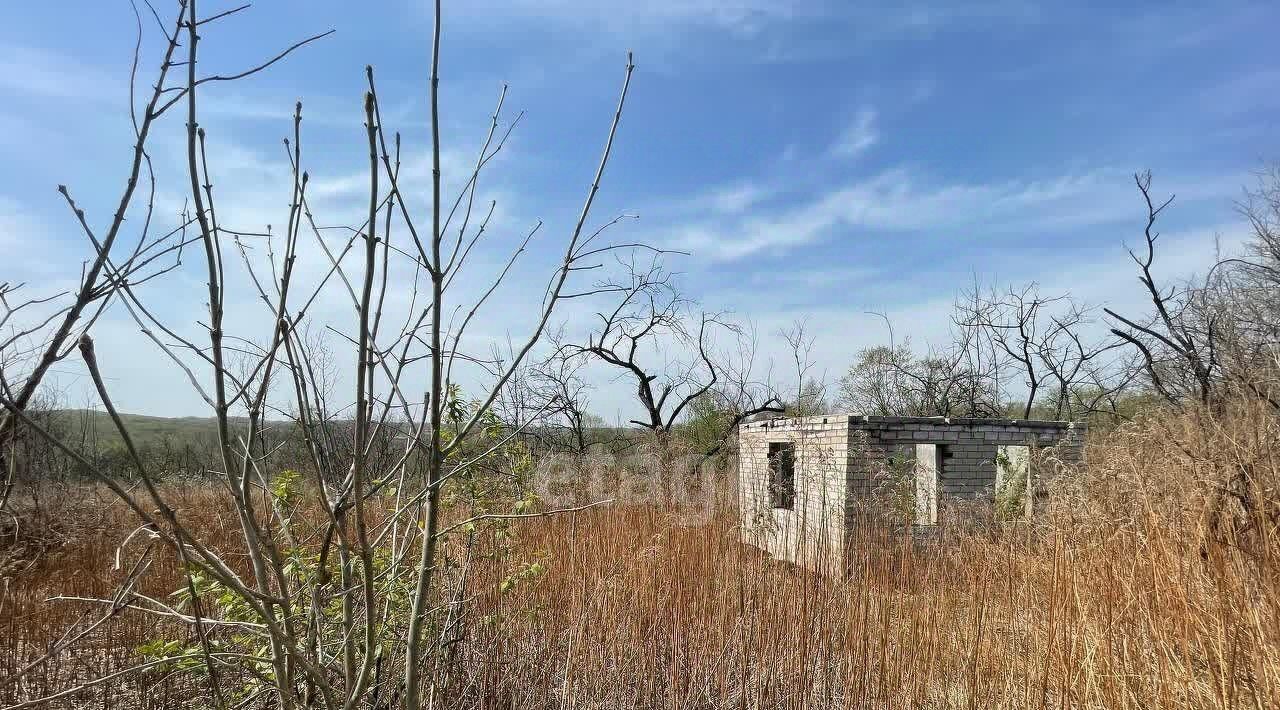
<point x="782" y="475"/>
<point x="1011" y="464"/>
<point x="1013" y="473"/>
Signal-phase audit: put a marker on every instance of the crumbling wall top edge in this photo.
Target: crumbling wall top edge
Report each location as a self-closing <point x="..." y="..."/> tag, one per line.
<point x="890" y="421"/>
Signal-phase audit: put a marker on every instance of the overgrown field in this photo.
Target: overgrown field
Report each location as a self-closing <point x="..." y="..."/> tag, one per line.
<point x="1140" y="586"/>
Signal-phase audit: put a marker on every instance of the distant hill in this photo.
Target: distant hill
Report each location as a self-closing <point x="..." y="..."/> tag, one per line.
<point x="92" y="430"/>
<point x="95" y="430"/>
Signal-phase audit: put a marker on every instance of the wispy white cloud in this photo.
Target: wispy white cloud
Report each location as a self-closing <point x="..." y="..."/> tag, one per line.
<point x="848" y="319"/>
<point x="867" y="21"/>
<point x="807" y="197"/>
<point x="899" y="200"/>
<point x="40" y="73"/>
<point x="738" y="16"/>
<point x="859" y="136"/>
<point x="735" y="199"/>
<point x="317" y="110"/>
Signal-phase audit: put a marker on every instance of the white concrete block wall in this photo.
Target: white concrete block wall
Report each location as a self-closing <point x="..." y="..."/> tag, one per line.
<point x="839" y="460"/>
<point x="812" y="532"/>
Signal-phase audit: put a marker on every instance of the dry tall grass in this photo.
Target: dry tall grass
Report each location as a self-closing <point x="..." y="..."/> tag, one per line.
<point x="1118" y="597"/>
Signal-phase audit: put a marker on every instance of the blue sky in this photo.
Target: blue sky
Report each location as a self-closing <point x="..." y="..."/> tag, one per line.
<point x="817" y="160"/>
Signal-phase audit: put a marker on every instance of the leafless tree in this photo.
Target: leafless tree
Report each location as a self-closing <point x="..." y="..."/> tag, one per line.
<point x="1047" y="341"/>
<point x="56" y="321"/>
<point x="982" y="359"/>
<point x="1179" y="351"/>
<point x="892" y="380"/>
<point x="1016" y="321"/>
<point x="550" y="400"/>
<point x="1210" y="338"/>
<point x="570" y="409"/>
<point x="810" y="392"/>
<point x="644" y="337"/>
<point x="1083" y="371"/>
<point x="335" y="636"/>
<point x="1243" y="293"/>
<point x="741" y="392"/>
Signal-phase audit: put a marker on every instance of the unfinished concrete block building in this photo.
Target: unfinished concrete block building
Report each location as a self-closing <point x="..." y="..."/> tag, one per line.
<point x="804" y="482"/>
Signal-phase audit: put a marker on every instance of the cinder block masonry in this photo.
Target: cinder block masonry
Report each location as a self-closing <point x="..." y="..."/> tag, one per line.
<point x="804" y="481"/>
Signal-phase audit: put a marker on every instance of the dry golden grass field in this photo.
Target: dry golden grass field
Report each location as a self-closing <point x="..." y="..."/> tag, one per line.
<point x="1125" y="593"/>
